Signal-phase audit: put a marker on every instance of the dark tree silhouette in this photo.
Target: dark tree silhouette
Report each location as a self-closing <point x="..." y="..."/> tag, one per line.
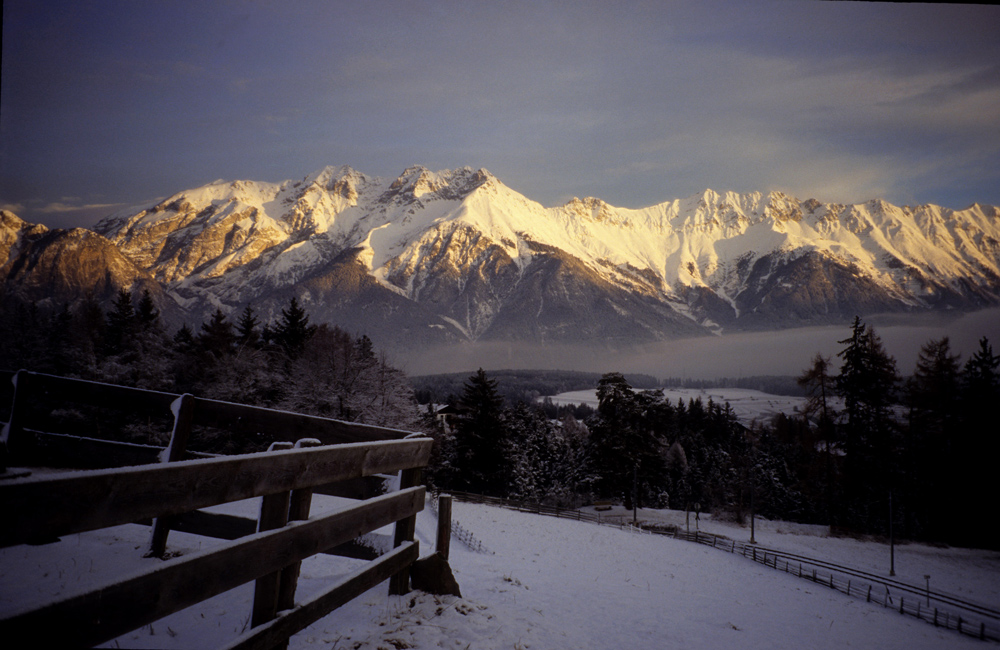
<point x="293" y="329"/>
<point x="480" y="437"/>
<point x="867" y="382"/>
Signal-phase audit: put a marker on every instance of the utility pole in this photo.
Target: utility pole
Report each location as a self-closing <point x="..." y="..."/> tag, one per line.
<point x="635" y="493"/>
<point x="892" y="541"/>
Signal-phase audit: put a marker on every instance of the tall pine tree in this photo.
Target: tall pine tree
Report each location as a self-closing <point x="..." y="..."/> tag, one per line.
<point x="480" y="437"/>
<point x="867" y="383"/>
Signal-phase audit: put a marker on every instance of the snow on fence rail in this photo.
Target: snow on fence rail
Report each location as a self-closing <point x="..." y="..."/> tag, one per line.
<point x="39" y="508"/>
<point x="939" y="609"/>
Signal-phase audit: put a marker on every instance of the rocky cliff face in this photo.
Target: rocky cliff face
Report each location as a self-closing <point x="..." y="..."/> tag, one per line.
<point x="57" y="267"/>
<point x="450" y="256"/>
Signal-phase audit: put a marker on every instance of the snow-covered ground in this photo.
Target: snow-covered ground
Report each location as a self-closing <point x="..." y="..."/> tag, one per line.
<point x="553" y="583"/>
<point x="748" y="405"/>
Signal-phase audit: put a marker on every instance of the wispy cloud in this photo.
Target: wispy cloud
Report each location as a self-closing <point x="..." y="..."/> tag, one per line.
<point x="634" y="102"/>
<point x="57" y="207"/>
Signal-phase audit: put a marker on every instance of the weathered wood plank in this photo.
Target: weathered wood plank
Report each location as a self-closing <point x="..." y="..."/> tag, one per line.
<point x="443" y="545"/>
<point x="98" y="394"/>
<point x="81" y="501"/>
<point x="361" y="488"/>
<point x="280" y="629"/>
<point x="286" y="425"/>
<point x="184" y="410"/>
<point x="399" y="584"/>
<point x="15" y="443"/>
<point x="214" y="524"/>
<point x="273" y="514"/>
<point x="77" y="452"/>
<point x="299" y="503"/>
<point x="102" y="614"/>
<point x="222" y="526"/>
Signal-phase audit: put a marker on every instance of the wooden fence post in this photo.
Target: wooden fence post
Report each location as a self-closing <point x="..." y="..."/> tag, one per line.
<point x="399" y="584"/>
<point x="183" y="408"/>
<point x="273" y="514"/>
<point x="443" y="545"/>
<point x="13" y="441"/>
<point x="298" y="510"/>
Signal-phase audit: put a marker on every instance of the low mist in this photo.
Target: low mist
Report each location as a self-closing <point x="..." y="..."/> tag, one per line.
<point x="784" y="352"/>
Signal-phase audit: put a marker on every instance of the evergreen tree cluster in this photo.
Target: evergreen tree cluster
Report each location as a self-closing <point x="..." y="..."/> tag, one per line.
<point x="915" y="454"/>
<point x="866" y="440"/>
<point x="287" y="364"/>
<point x="637" y="449"/>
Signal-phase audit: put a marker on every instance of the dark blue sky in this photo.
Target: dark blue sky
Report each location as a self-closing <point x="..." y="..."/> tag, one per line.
<point x="107" y="104"/>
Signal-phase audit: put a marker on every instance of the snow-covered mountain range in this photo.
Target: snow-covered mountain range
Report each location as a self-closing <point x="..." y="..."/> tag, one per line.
<point x="457" y="255"/>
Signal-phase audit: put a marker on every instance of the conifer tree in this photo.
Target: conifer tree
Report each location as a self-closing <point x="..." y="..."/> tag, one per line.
<point x="480" y="437"/>
<point x="146" y="312"/>
<point x="932" y="395"/>
<point x="293" y="329"/>
<point x="612" y="457"/>
<point x="867" y="383"/>
<point x="626" y="439"/>
<point x="217" y="337"/>
<point x="977" y="446"/>
<point x="246" y="329"/>
<point x="820" y="387"/>
<point x="121" y="322"/>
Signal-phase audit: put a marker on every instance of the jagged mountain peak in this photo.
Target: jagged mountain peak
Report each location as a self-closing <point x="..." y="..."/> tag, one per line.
<point x="469" y="257"/>
<point x="418" y="181"/>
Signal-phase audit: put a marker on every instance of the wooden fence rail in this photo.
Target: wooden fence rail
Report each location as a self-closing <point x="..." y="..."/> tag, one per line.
<point x="21" y="435"/>
<point x="35" y="508"/>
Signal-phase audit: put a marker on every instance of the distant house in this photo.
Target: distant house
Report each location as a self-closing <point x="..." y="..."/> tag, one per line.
<point x="448" y="416"/>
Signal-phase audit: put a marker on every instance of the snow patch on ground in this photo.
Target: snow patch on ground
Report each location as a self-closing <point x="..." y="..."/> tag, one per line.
<point x="551" y="583"/>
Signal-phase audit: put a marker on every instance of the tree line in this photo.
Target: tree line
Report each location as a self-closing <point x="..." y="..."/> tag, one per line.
<point x="917" y="453"/>
<point x="869" y="449"/>
<point x="288" y="363"/>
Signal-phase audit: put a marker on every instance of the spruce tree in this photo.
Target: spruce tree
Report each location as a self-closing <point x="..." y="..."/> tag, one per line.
<point x="217" y="337"/>
<point x="121" y="322"/>
<point x="977" y="446"/>
<point x="480" y="437"/>
<point x="867" y="383"/>
<point x="146" y="312"/>
<point x="932" y="396"/>
<point x="246" y="329"/>
<point x="293" y="329"/>
<point x="820" y="387"/>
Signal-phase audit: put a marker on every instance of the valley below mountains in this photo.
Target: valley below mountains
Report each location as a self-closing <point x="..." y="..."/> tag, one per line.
<point x="452" y="257"/>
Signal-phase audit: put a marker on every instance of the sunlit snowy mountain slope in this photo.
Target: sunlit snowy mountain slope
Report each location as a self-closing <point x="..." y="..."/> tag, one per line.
<point x="457" y="255"/>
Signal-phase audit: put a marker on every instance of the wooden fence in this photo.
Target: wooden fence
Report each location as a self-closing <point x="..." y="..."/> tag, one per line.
<point x="36" y="508"/>
<point x="939" y="609"/>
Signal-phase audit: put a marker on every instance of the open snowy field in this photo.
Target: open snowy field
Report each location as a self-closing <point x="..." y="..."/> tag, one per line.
<point x="553" y="583"/>
<point x="748" y="405"/>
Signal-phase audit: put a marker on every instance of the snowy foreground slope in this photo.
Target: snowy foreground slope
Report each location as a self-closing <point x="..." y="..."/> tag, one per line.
<point x="552" y="583"/>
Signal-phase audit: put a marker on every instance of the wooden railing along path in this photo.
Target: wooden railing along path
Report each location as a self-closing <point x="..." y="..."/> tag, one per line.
<point x="36" y="508"/>
<point x="934" y="607"/>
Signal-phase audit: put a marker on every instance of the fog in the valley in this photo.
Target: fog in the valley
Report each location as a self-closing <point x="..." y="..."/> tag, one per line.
<point x="785" y="352"/>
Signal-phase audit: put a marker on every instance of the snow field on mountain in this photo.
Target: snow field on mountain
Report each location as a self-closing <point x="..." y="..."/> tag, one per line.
<point x="694" y="241"/>
<point x="550" y="583"/>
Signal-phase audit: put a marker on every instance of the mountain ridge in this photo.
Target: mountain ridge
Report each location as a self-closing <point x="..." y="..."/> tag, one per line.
<point x="456" y="255"/>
